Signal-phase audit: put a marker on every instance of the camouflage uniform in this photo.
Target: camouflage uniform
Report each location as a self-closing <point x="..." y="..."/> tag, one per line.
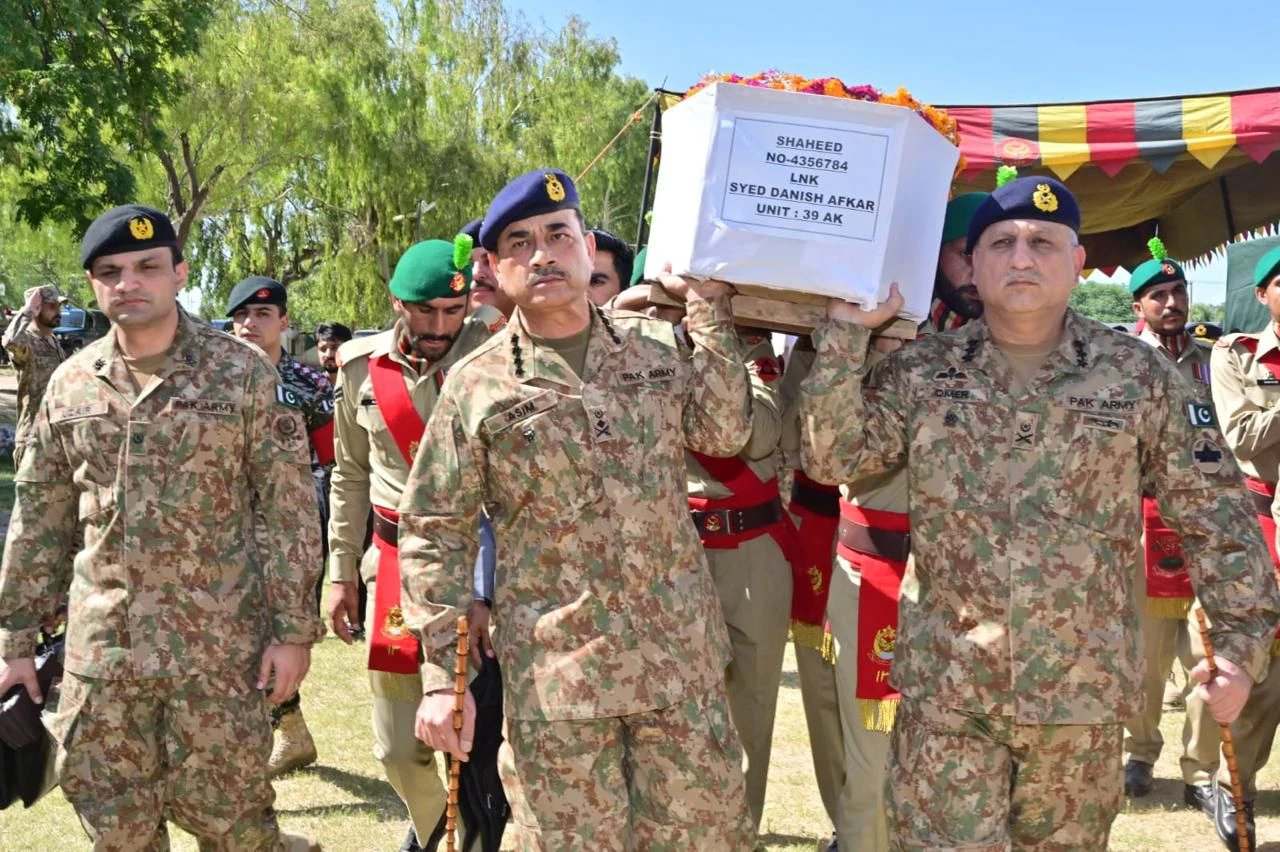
<point x="314" y="395"/>
<point x="35" y="356"/>
<point x="1018" y="645"/>
<point x="752" y="575"/>
<point x="1166" y="639"/>
<point x="171" y="606"/>
<point x="370" y="470"/>
<point x="1245" y="395"/>
<point x="612" y="647"/>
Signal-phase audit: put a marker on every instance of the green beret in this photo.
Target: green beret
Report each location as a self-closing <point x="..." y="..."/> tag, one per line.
<point x="1268" y="267"/>
<point x="434" y="269"/>
<point x="1155" y="271"/>
<point x="637" y="269"/>
<point x="257" y="290"/>
<point x="959" y="211"/>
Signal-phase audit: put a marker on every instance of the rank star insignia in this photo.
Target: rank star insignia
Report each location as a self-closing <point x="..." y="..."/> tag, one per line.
<point x="141" y="228"/>
<point x="555" y="189"/>
<point x="1044" y="199"/>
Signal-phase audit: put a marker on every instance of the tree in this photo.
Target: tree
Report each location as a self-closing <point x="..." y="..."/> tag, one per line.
<point x="1208" y="313"/>
<point x="1109" y="303"/>
<point x="80" y="81"/>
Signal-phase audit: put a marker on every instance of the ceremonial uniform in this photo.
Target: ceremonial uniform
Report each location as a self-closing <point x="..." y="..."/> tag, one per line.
<point x="384" y="397"/>
<point x="35" y="356"/>
<point x="1246" y="390"/>
<point x="1167" y="592"/>
<point x="171" y="607"/>
<point x="815" y="509"/>
<point x="738" y="513"/>
<point x="1018" y="644"/>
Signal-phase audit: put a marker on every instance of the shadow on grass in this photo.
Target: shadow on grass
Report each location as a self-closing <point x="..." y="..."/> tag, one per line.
<point x="772" y="841"/>
<point x="790" y="679"/>
<point x="375" y="795"/>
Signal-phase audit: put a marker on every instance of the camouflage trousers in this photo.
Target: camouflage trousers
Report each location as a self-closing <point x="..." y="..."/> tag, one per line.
<point x="133" y="754"/>
<point x="985" y="784"/>
<point x="669" y="779"/>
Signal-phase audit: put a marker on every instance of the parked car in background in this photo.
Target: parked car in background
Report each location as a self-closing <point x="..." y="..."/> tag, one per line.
<point x="79" y="326"/>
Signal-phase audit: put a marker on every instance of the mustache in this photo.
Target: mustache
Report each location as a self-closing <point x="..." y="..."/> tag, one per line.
<point x="1023" y="278"/>
<point x="431" y="338"/>
<point x="546" y="272"/>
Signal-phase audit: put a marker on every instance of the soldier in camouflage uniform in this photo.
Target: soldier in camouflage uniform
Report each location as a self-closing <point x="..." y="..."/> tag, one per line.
<point x="161" y="439"/>
<point x="1028" y="438"/>
<point x="570" y="428"/>
<point x="35" y="353"/>
<point x="388" y="384"/>
<point x="258" y="308"/>
<point x="1159" y="288"/>
<point x="1246" y="394"/>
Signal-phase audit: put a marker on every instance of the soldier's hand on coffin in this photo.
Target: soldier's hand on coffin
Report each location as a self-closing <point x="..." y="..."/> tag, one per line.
<point x="289" y="664"/>
<point x="20" y="670"/>
<point x="839" y="309"/>
<point x="632" y="299"/>
<point x="344" y="608"/>
<point x="434" y="724"/>
<point x="688" y="289"/>
<point x="1226" y="694"/>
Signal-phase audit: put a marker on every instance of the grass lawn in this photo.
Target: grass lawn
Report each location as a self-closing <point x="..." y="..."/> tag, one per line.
<point x="345" y="804"/>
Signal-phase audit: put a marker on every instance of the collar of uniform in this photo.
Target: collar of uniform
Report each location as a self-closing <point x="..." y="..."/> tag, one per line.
<point x="537" y="362"/>
<point x="1188" y="343"/>
<point x="1267" y="340"/>
<point x="184" y="353"/>
<point x="1074" y="354"/>
<point x="390" y="346"/>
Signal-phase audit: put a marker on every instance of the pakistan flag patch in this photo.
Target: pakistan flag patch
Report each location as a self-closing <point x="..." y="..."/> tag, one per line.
<point x="284" y="396"/>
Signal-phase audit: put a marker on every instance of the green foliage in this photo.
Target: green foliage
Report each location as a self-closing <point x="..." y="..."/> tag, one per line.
<point x="1207" y="313"/>
<point x="1109" y="303"/>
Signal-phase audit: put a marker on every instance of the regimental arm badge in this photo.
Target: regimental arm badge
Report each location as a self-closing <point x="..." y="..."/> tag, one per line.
<point x="1044" y="199"/>
<point x="141" y="228"/>
<point x="555" y="189"/>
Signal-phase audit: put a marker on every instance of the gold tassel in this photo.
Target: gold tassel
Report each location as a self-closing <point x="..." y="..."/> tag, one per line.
<point x="396" y="687"/>
<point x="1275" y="647"/>
<point x="808" y="635"/>
<point x="879" y="714"/>
<point x="1170" y="608"/>
<point x="828" y="647"/>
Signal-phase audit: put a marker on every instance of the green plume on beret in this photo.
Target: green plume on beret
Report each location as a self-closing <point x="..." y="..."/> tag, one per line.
<point x="1158" y="251"/>
<point x="1004" y="174"/>
<point x="462" y="246"/>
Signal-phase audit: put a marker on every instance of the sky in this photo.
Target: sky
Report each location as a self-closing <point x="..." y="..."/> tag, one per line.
<point x="949" y="52"/>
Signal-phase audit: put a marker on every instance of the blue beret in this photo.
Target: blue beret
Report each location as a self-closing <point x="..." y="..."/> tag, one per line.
<point x="257" y="290"/>
<point x="1043" y="198"/>
<point x="131" y="227"/>
<point x="532" y="194"/>
<point x="1268" y="267"/>
<point x="472" y="230"/>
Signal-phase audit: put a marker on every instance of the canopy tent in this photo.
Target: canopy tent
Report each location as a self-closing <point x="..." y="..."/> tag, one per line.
<point x="1202" y="171"/>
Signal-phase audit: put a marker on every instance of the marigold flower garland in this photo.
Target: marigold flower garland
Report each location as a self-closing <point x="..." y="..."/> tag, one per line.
<point x="836" y="88"/>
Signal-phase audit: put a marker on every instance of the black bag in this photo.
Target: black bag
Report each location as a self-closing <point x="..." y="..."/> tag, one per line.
<point x="26" y="749"/>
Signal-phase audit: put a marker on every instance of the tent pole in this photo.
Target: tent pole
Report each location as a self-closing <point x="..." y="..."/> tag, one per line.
<point x="1226" y="206"/>
<point x="655" y="148"/>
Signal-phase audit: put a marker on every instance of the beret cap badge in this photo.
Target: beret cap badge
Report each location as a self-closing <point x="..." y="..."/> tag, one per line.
<point x="1044" y="199"/>
<point x="141" y="228"/>
<point x="458" y="283"/>
<point x="555" y="189"/>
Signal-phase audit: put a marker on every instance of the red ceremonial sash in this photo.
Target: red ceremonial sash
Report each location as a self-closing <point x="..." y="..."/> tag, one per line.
<point x="881" y="581"/>
<point x="396" y="404"/>
<point x="322" y="443"/>
<point x="811" y="571"/>
<point x="392" y="646"/>
<point x="746" y="489"/>
<point x="1268" y="525"/>
<point x="1169" y="592"/>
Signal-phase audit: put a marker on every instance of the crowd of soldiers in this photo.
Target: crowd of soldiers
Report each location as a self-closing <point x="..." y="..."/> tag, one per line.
<point x="985" y="544"/>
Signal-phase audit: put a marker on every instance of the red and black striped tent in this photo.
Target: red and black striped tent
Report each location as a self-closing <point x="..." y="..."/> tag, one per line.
<point x="1201" y="170"/>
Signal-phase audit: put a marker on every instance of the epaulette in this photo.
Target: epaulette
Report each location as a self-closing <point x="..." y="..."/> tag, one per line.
<point x="1225" y="341"/>
<point x="360" y="347"/>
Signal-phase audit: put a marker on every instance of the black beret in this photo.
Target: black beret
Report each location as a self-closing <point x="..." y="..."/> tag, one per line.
<point x="1042" y="198"/>
<point x="257" y="290"/>
<point x="131" y="227"/>
<point x="532" y="194"/>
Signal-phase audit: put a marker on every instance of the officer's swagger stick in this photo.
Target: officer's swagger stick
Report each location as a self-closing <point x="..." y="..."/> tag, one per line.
<point x="1228" y="748"/>
<point x="459" y="703"/>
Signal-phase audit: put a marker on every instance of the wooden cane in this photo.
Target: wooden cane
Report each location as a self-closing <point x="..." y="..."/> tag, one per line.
<point x="1228" y="748"/>
<point x="459" y="704"/>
